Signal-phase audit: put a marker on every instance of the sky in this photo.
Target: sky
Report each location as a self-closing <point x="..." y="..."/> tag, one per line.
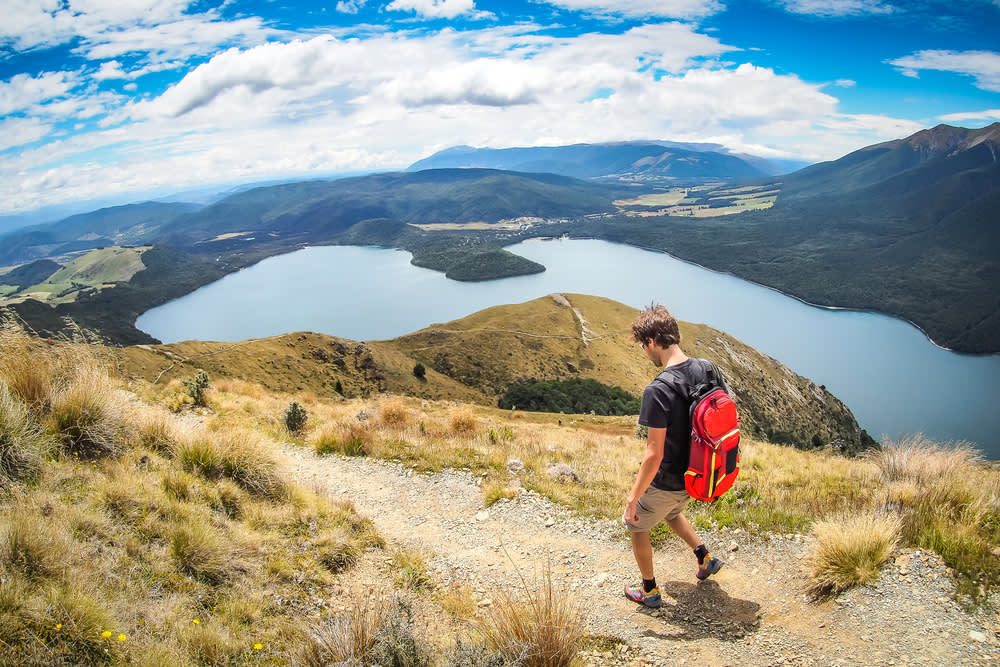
<point x="118" y="99"/>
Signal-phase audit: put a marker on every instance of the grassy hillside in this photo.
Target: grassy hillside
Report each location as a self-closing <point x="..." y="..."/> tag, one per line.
<point x="136" y="528"/>
<point x="88" y="274"/>
<point x="477" y="358"/>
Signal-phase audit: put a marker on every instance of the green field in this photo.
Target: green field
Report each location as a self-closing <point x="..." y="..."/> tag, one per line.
<point x="96" y="270"/>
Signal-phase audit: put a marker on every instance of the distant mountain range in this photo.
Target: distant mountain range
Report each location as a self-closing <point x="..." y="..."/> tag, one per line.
<point x="641" y="161"/>
<point x="908" y="227"/>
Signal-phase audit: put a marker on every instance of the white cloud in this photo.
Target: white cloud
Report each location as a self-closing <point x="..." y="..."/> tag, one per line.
<point x="678" y="9"/>
<point x="984" y="66"/>
<point x="20" y="131"/>
<point x="989" y="115"/>
<point x="350" y="6"/>
<point x="831" y="8"/>
<point x="447" y="9"/>
<point x="309" y="106"/>
<point x="23" y="92"/>
<point x="845" y="83"/>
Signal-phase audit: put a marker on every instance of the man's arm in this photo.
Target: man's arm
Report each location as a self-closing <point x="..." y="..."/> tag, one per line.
<point x="647" y="471"/>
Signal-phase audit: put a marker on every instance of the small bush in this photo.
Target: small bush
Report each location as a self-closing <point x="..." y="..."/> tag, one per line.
<point x="849" y="550"/>
<point x="295" y="417"/>
<point x="419" y="371"/>
<point x="197" y="386"/>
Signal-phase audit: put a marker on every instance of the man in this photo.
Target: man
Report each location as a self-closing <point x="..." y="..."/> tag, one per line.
<point x="658" y="493"/>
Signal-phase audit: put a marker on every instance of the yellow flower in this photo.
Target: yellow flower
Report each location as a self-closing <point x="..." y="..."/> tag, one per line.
<point x="58" y="626"/>
<point x="121" y="638"/>
<point x="196" y="621"/>
<point x="258" y="646"/>
<point x="106" y="634"/>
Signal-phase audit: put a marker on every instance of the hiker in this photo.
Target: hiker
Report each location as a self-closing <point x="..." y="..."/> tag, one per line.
<point x="659" y="493"/>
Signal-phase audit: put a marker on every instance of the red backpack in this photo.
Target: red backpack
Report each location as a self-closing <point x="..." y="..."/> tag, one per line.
<point x="715" y="435"/>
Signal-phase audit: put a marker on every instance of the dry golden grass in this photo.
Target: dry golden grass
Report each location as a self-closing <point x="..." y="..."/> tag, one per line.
<point x="28" y="369"/>
<point x="539" y="628"/>
<point x="23" y="443"/>
<point x="850" y="549"/>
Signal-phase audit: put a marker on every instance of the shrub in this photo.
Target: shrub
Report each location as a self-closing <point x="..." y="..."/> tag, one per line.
<point x="849" y="550"/>
<point x="23" y="444"/>
<point x="419" y="371"/>
<point x="295" y="417"/>
<point x="196" y="387"/>
<point x="571" y="396"/>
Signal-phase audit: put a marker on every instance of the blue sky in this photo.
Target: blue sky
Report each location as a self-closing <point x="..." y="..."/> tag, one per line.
<point x="119" y="99"/>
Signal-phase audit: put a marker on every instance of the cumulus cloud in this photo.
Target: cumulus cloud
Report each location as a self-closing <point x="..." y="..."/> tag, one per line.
<point x="983" y="66"/>
<point x="678" y="9"/>
<point x="831" y="8"/>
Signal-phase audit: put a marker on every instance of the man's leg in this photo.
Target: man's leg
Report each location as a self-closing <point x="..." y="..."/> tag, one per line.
<point x="642" y="549"/>
<point x="683" y="529"/>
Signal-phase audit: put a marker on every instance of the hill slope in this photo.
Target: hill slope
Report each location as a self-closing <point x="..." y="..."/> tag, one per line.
<point x="478" y="357"/>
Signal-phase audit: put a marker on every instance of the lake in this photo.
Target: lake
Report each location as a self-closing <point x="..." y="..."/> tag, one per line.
<point x="894" y="380"/>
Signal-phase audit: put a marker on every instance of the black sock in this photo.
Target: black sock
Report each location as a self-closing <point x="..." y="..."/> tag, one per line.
<point x="701" y="552"/>
<point x="648" y="584"/>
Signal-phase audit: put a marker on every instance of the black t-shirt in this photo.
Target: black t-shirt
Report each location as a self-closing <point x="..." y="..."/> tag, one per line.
<point x="666" y="405"/>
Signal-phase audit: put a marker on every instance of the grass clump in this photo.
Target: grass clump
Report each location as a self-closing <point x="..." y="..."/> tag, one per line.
<point x="849" y="550"/>
<point x="239" y="455"/>
<point x="541" y="628"/>
<point x="23" y="442"/>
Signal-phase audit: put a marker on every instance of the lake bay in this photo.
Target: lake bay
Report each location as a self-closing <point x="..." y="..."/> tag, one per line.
<point x="894" y="380"/>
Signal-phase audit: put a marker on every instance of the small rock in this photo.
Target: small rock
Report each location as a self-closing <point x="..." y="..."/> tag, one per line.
<point x="549" y="522"/>
<point x="483" y="516"/>
<point x="734" y="547"/>
<point x="562" y="472"/>
<point x="515" y="466"/>
<point x="977" y="636"/>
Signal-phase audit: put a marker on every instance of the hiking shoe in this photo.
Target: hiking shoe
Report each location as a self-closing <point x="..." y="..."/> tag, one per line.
<point x="637" y="593"/>
<point x="708" y="567"/>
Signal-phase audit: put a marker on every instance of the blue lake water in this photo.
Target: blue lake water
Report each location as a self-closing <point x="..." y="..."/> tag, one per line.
<point x="894" y="380"/>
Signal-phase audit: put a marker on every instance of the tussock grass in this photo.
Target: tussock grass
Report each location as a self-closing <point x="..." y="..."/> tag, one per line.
<point x="540" y="628"/>
<point x="850" y="549"/>
<point x="949" y="502"/>
<point x="349" y="438"/>
<point x="23" y="442"/>
<point x="34" y="544"/>
<point x="394" y="413"/>
<point x="349" y="638"/>
<point x="27" y="369"/>
<point x="88" y="413"/>
<point x="242" y="456"/>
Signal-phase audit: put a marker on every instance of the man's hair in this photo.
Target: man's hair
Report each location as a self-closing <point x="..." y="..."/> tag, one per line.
<point x="656" y="324"/>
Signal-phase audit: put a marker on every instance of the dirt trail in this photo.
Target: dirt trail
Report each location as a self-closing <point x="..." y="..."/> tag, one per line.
<point x="752" y="613"/>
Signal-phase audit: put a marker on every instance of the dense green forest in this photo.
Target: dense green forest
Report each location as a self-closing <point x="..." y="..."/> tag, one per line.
<point x="574" y="396"/>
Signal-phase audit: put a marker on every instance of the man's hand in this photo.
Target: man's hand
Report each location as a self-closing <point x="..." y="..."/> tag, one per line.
<point x="631" y="514"/>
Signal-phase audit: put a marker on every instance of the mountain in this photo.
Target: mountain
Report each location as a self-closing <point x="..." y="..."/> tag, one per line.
<point x="477" y="358"/>
<point x="115" y="225"/>
<point x="316" y="211"/>
<point x="907" y="228"/>
<point x="644" y="161"/>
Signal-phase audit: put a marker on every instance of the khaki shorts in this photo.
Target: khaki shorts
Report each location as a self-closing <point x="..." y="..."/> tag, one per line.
<point x="658" y="505"/>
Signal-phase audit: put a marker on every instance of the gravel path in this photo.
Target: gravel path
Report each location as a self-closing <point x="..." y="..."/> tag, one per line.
<point x="754" y="612"/>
